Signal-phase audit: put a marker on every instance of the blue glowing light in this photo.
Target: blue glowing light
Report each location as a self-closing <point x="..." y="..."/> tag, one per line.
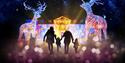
<point x="36" y="12"/>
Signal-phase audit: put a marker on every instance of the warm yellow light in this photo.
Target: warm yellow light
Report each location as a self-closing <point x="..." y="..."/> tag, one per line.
<point x="61" y="25"/>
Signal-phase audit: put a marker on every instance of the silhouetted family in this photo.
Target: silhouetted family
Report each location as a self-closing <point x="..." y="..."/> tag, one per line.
<point x="50" y="35"/>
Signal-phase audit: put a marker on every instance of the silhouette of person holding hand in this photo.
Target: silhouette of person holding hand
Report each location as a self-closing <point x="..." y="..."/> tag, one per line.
<point x="68" y="36"/>
<point x="58" y="43"/>
<point x="50" y="35"/>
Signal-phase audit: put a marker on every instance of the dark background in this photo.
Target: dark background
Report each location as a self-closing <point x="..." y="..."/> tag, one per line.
<point x="13" y="14"/>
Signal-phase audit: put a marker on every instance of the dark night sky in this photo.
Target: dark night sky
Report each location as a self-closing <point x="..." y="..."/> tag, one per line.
<point x="13" y="14"/>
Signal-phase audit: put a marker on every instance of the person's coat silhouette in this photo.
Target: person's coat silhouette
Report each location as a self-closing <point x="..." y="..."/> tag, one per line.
<point x="68" y="36"/>
<point x="50" y="39"/>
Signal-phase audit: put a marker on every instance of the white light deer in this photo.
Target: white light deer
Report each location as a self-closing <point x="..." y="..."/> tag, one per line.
<point x="94" y="21"/>
<point x="29" y="29"/>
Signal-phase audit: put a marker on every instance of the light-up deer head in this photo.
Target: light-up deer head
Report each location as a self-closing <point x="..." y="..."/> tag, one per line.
<point x="87" y="6"/>
<point x="37" y="11"/>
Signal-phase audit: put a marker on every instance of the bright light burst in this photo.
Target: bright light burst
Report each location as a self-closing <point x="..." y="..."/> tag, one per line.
<point x="84" y="48"/>
<point x="112" y="45"/>
<point x="26" y="47"/>
<point x="93" y="50"/>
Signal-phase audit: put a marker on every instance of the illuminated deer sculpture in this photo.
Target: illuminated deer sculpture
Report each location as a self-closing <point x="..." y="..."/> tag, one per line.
<point x="29" y="29"/>
<point x="94" y="21"/>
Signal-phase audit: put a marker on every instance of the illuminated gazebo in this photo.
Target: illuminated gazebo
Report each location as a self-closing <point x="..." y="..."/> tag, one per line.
<point x="61" y="24"/>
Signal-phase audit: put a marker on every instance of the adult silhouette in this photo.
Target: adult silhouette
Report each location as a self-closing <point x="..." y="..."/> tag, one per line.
<point x="68" y="36"/>
<point x="50" y="35"/>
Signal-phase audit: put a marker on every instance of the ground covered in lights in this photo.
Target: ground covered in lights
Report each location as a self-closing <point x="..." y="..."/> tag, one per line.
<point x="91" y="52"/>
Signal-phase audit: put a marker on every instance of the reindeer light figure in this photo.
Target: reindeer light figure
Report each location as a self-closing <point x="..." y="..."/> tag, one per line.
<point x="94" y="21"/>
<point x="29" y="29"/>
